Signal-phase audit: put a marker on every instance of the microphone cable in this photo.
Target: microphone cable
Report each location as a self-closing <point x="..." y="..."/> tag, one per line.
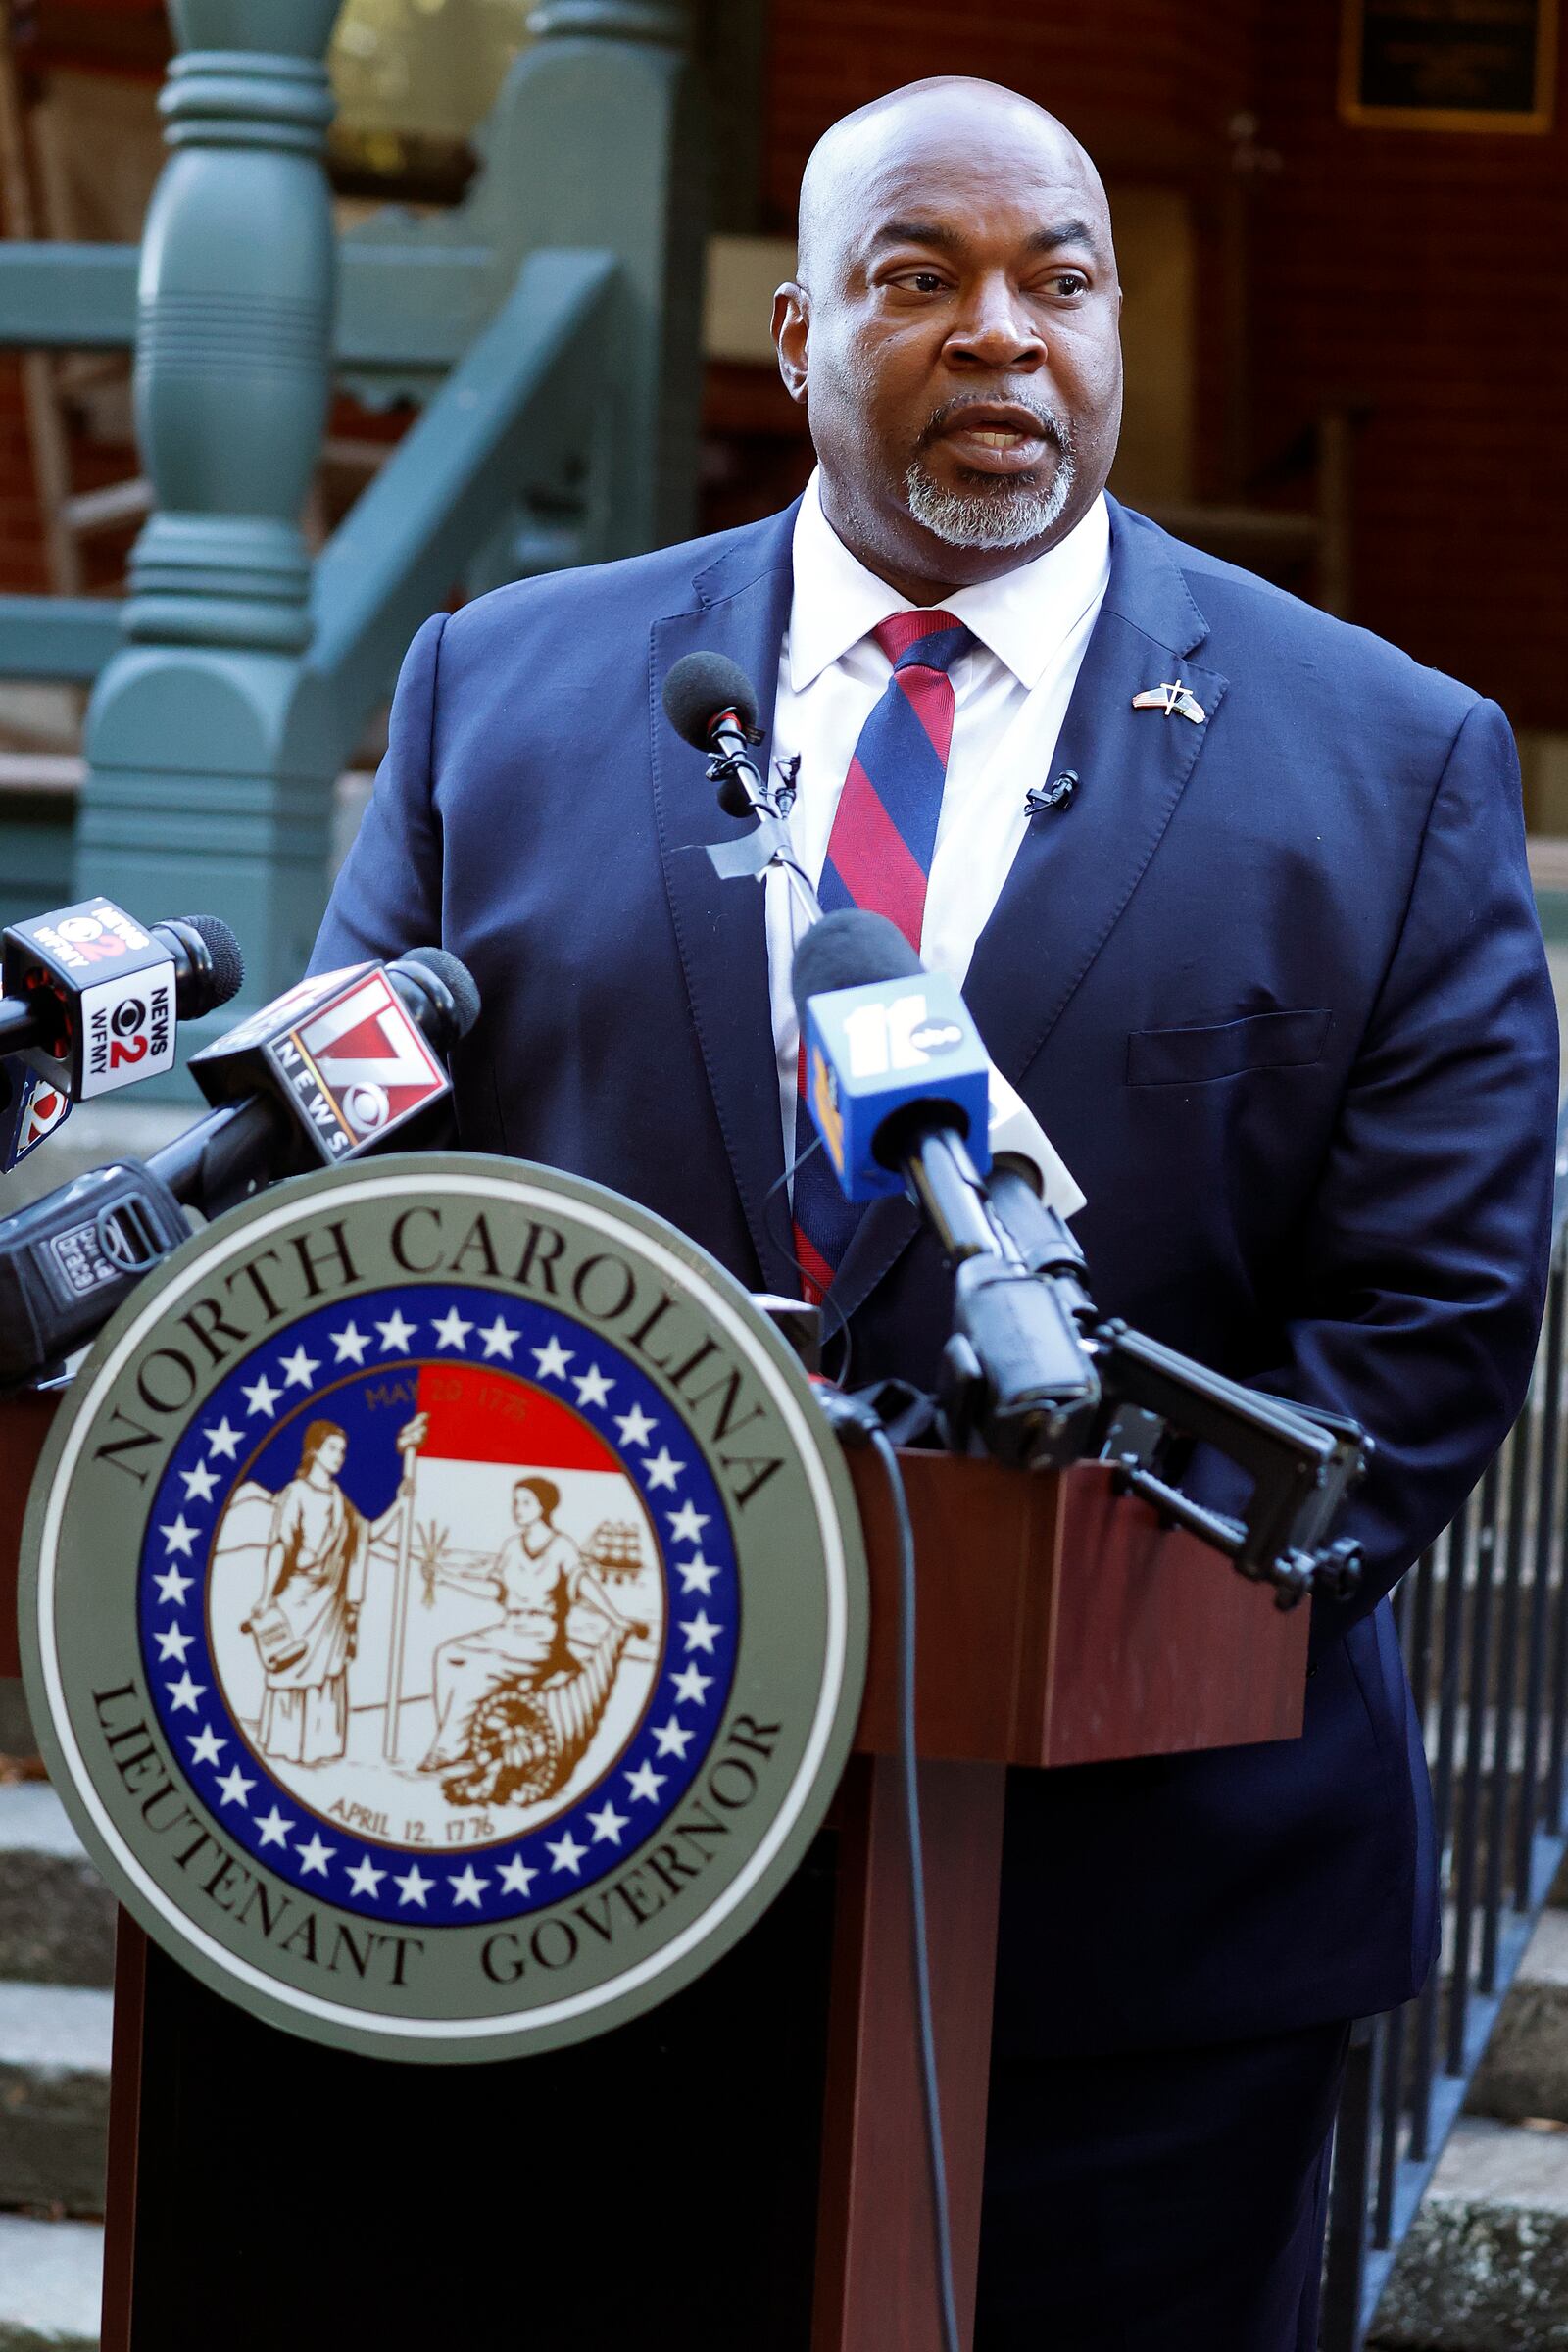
<point x="919" y="1942"/>
<point x="837" y="1326"/>
<point x="855" y="1420"/>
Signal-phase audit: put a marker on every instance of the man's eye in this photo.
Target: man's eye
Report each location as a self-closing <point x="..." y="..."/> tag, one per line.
<point x="1069" y="281"/>
<point x="924" y="281"/>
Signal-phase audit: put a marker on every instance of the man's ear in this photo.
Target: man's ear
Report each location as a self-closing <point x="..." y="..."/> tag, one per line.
<point x="792" y="319"/>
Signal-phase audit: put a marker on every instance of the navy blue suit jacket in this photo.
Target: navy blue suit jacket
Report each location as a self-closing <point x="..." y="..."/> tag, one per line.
<point x="1273" y="984"/>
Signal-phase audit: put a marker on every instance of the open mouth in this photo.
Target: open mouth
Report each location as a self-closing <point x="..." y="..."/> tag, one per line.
<point x="998" y="449"/>
<point x="996" y="440"/>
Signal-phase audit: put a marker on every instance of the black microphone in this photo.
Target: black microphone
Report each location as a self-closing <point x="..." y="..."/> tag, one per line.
<point x="92" y="999"/>
<point x="1016" y="1353"/>
<point x="708" y="697"/>
<point x="323" y="1074"/>
<point x="712" y="704"/>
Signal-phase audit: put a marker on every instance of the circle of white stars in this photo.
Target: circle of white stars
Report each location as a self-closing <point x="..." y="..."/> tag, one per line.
<point x="698" y="1631"/>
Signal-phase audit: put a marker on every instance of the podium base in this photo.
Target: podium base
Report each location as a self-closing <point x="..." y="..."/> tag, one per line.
<point x="655" y="2187"/>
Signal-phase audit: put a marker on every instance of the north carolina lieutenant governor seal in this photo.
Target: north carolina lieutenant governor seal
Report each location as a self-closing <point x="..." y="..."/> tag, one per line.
<point x="1272" y="980"/>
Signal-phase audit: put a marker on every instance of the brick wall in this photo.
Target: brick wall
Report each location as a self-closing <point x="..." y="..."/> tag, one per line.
<point x="21" y="560"/>
<point x="127" y="41"/>
<point x="1415" y="276"/>
<point x="1116" y="68"/>
<point x="1420" y="274"/>
<point x="1149" y="86"/>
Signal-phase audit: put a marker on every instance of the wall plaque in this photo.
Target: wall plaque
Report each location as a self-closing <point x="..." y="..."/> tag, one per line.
<point x="1449" y="65"/>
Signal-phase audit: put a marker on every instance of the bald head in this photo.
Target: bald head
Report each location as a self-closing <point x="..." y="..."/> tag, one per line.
<point x="953" y="333"/>
<point x="856" y="154"/>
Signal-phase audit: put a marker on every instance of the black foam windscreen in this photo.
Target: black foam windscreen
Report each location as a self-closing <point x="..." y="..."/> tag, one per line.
<point x="461" y="988"/>
<point x="216" y="975"/>
<point x="702" y="686"/>
<point x="733" y="797"/>
<point x="848" y="948"/>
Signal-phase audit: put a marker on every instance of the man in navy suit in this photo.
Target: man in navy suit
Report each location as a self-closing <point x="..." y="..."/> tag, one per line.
<point x="1269" y="971"/>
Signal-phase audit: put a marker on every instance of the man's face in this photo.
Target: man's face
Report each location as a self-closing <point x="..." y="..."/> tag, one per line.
<point x="959" y="346"/>
<point x="333" y="1454"/>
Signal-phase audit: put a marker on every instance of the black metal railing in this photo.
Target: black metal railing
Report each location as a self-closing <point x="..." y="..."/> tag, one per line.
<point x="1483" y="1619"/>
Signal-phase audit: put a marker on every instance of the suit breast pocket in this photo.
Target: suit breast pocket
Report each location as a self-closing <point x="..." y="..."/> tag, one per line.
<point x="1261" y="1041"/>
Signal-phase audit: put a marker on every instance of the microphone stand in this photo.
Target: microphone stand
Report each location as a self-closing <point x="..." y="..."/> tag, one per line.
<point x="1149" y="1407"/>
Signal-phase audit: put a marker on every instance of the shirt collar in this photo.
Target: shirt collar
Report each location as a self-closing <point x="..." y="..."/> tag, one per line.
<point x="1022" y="615"/>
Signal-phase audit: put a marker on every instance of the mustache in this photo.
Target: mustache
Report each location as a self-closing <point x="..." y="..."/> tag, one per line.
<point x="1052" y="427"/>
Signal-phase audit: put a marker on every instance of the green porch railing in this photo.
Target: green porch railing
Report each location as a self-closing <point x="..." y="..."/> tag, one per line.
<point x="1483" y="1619"/>
<point x="547" y="330"/>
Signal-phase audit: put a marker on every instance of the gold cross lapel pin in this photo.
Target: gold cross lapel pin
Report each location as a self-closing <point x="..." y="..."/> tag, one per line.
<point x="1175" y="701"/>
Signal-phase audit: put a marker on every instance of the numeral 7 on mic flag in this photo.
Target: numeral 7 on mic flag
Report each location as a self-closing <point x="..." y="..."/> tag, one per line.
<point x="346" y="1052"/>
<point x="372" y="1068"/>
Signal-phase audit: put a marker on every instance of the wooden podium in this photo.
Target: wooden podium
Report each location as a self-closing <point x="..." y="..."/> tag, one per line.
<point x="747" y="2163"/>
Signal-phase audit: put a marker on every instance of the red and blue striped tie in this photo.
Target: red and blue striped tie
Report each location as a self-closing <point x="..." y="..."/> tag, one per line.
<point x="879" y="857"/>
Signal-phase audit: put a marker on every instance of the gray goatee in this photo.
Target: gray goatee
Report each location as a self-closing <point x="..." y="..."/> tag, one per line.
<point x="992" y="511"/>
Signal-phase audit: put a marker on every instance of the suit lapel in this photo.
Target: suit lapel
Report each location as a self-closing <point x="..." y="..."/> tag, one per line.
<point x="740" y="607"/>
<point x="1078" y="868"/>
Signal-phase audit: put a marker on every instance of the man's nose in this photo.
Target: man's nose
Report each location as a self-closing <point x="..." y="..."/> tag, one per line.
<point x="996" y="330"/>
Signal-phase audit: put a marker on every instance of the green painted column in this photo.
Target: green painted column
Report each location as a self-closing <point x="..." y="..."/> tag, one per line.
<point x="597" y="141"/>
<point x="244" y="673"/>
<point x="198" y="796"/>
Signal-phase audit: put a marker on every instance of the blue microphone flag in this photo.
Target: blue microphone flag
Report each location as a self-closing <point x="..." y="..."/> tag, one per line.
<point x="873" y="1051"/>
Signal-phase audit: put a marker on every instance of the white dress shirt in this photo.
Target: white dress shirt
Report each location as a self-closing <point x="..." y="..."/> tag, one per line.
<point x="1011" y="696"/>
